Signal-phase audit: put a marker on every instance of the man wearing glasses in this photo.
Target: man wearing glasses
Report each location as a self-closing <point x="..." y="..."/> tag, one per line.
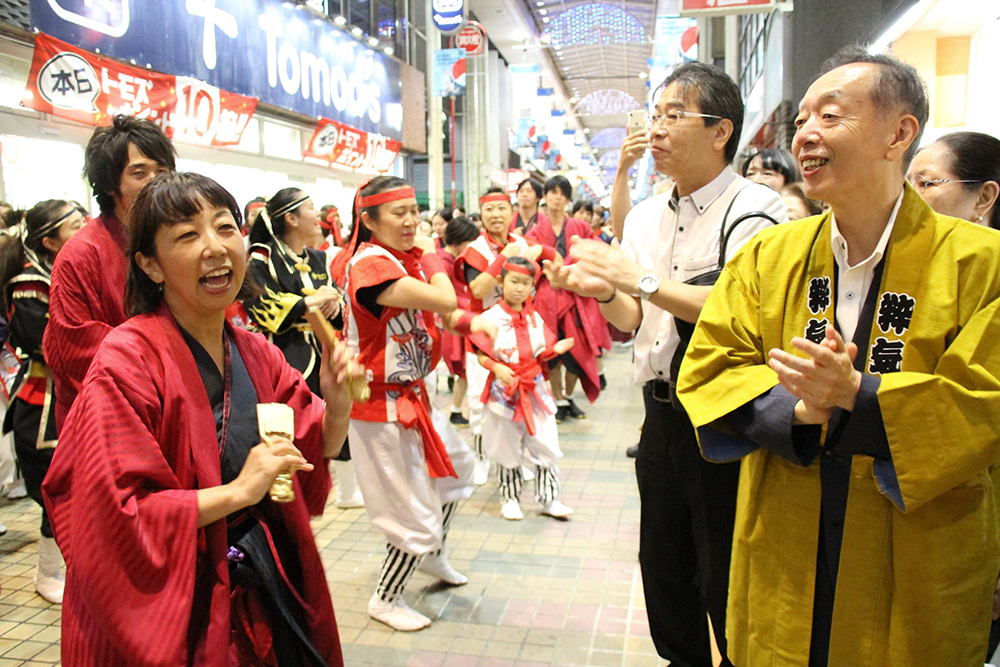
<point x="688" y="504"/>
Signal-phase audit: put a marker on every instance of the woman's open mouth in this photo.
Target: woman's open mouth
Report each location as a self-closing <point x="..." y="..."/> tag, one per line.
<point x="218" y="281"/>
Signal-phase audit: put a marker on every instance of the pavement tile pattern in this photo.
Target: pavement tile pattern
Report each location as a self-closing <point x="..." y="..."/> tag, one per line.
<point x="540" y="591"/>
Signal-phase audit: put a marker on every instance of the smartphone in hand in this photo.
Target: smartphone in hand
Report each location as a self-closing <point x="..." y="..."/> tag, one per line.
<point x="637" y="121"/>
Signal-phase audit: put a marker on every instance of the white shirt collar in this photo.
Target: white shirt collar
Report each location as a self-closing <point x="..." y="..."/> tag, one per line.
<point x="840" y="243"/>
<point x="703" y="197"/>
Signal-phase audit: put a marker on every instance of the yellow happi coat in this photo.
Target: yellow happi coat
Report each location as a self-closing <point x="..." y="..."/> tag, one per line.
<point x="920" y="555"/>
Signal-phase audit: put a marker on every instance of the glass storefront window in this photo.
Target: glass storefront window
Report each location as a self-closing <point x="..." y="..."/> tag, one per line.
<point x="24" y="159"/>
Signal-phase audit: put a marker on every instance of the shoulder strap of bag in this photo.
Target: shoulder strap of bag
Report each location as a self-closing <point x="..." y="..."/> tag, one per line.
<point x="727" y="232"/>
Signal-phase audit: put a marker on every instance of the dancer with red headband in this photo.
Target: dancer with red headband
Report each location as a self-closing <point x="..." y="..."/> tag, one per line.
<point x="411" y="465"/>
<point x="520" y="412"/>
<point x="568" y="313"/>
<point x="479" y="267"/>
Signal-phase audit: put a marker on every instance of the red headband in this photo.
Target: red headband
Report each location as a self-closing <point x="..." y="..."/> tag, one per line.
<point x="518" y="268"/>
<point x="387" y="196"/>
<point x="494" y="196"/>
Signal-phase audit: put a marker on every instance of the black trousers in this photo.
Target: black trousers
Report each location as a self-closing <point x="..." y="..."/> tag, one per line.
<point x="34" y="462"/>
<point x="685" y="537"/>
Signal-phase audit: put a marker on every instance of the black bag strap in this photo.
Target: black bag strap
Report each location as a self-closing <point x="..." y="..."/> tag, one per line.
<point x="725" y="233"/>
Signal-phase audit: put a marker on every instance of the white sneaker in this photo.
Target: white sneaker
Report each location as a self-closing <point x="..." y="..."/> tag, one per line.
<point x="50" y="588"/>
<point x="482" y="472"/>
<point x="351" y="501"/>
<point x="397" y="616"/>
<point x="527" y="474"/>
<point x="511" y="510"/>
<point x="49" y="581"/>
<point x="556" y="509"/>
<point x="438" y="566"/>
<point x="348" y="493"/>
<point x="17" y="491"/>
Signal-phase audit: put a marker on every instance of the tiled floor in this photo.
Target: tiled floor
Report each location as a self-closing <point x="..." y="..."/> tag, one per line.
<point x="540" y="591"/>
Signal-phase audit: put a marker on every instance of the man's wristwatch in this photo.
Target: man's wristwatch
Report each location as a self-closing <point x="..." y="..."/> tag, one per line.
<point x="648" y="285"/>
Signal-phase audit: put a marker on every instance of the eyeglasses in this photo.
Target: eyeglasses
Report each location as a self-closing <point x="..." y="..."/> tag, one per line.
<point x="673" y="116"/>
<point x="921" y="183"/>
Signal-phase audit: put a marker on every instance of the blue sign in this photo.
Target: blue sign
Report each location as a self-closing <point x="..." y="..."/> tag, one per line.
<point x="546" y="92"/>
<point x="448" y="15"/>
<point x="269" y="49"/>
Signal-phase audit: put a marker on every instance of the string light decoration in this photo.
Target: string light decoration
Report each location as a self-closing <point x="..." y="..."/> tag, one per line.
<point x="607" y="101"/>
<point x="609" y="160"/>
<point x="594" y="23"/>
<point x="611" y="137"/>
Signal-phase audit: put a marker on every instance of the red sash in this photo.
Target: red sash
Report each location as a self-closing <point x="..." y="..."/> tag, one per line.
<point x="413" y="410"/>
<point x="521" y="391"/>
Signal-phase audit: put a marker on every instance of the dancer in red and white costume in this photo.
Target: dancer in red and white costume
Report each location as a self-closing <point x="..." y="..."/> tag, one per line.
<point x="520" y="412"/>
<point x="412" y="467"/>
<point x="479" y="267"/>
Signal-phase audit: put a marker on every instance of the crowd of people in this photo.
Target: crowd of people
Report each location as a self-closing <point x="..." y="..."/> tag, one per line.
<point x="815" y="468"/>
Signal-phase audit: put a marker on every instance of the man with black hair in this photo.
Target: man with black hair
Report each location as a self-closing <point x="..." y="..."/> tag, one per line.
<point x="529" y="193"/>
<point x="86" y="299"/>
<point x="688" y="504"/>
<point x="850" y="361"/>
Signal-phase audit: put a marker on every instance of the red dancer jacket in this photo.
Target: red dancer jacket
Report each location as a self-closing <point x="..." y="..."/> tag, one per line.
<point x="86" y="301"/>
<point x="570" y="314"/>
<point x="145" y="585"/>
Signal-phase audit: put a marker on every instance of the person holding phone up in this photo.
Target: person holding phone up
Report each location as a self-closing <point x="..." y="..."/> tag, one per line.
<point x="688" y="504"/>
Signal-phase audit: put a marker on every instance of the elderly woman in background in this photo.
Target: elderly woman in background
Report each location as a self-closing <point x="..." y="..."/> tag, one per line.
<point x="799" y="205"/>
<point x="959" y="175"/>
<point x="774" y="167"/>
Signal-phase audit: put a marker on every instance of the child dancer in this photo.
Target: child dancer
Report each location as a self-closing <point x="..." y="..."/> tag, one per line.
<point x="519" y="412"/>
<point x="412" y="466"/>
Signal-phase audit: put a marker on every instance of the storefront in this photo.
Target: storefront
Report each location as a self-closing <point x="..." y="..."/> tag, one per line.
<point x="955" y="45"/>
<point x="299" y="66"/>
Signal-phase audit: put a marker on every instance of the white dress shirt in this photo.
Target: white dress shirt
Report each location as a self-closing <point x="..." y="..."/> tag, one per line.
<point x="683" y="243"/>
<point x="853" y="282"/>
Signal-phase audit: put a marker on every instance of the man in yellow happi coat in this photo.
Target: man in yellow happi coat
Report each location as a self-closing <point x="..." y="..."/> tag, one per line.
<point x="866" y="530"/>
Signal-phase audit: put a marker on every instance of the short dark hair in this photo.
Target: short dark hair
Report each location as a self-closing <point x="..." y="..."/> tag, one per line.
<point x="585" y="204"/>
<point x="897" y="86"/>
<point x="535" y="185"/>
<point x="495" y="190"/>
<point x="460" y="230"/>
<point x="776" y="159"/>
<point x="715" y="93"/>
<point x="519" y="261"/>
<point x="976" y="158"/>
<point x="107" y="155"/>
<point x="445" y="214"/>
<point x="560" y="183"/>
<point x="167" y="200"/>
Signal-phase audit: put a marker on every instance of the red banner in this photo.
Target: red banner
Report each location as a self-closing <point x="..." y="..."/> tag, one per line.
<point x="710" y="7"/>
<point x="69" y="82"/>
<point x="350" y="147"/>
